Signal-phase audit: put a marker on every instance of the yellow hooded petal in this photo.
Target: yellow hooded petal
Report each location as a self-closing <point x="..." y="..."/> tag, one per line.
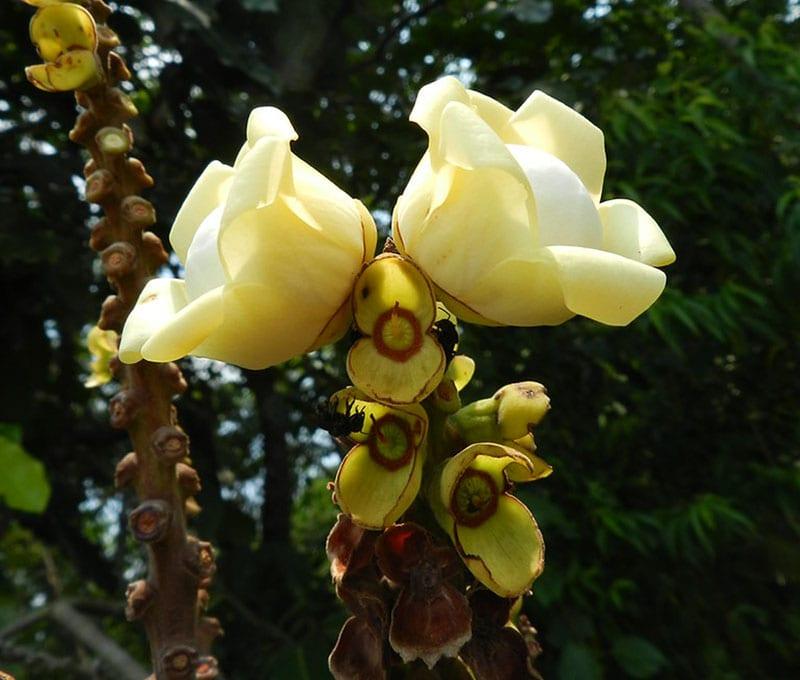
<point x="544" y="123"/>
<point x="56" y="28"/>
<point x="506" y="552"/>
<point x="207" y="193"/>
<point x="604" y="286"/>
<point x="629" y="231"/>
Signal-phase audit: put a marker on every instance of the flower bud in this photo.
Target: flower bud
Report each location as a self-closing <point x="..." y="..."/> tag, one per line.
<point x="113" y="141"/>
<point x="153" y="250"/>
<point x="123" y="408"/>
<point x="476" y="422"/>
<point x="126" y="470"/>
<point x="112" y="314"/>
<point x="125" y="108"/>
<point x="173" y="378"/>
<point x="84" y="124"/>
<point x="117" y="68"/>
<point x="89" y="166"/>
<point x="138" y="212"/>
<point x="179" y="662"/>
<point x="150" y="521"/>
<point x="170" y="444"/>
<point x="139" y="596"/>
<point x="188" y="479"/>
<point x="100" y="237"/>
<point x="136" y="168"/>
<point x="99" y="186"/>
<point x="520" y="407"/>
<point x="119" y="259"/>
<point x="108" y="39"/>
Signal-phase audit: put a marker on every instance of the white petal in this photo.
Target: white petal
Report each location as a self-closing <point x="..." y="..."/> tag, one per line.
<point x="261" y="175"/>
<point x="604" y="286"/>
<point x="203" y="267"/>
<point x="208" y="192"/>
<point x="565" y="212"/>
<point x="546" y="124"/>
<point x="629" y="231"/>
<point x="267" y="121"/>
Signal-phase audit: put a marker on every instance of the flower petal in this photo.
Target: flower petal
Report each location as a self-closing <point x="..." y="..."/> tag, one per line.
<point x="432" y="99"/>
<point x="262" y="174"/>
<point x="546" y="124"/>
<point x="56" y="28"/>
<point x="604" y="286"/>
<point x="506" y="552"/>
<point x="492" y="111"/>
<point x="388" y="281"/>
<point x="372" y="495"/>
<point x="204" y="270"/>
<point x="565" y="214"/>
<point x="629" y="231"/>
<point x="208" y="192"/>
<point x="267" y="121"/>
<point x="163" y="326"/>
<point x="394" y="382"/>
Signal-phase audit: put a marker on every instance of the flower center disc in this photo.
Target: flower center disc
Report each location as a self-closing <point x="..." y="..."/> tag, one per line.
<point x="474" y="498"/>
<point x="390" y="443"/>
<point x="397" y="334"/>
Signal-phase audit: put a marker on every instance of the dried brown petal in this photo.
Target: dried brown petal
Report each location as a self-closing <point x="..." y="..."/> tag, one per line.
<point x="350" y="547"/>
<point x="359" y="653"/>
<point x="501" y="655"/>
<point x="430" y="622"/>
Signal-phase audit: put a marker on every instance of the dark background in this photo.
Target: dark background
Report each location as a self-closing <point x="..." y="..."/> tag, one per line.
<point x="673" y="516"/>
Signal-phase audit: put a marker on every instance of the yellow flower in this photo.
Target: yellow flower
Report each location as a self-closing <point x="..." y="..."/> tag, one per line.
<point x="65" y="36"/>
<point x="271" y="249"/>
<point x="102" y="345"/>
<point x="380" y="476"/>
<point x="503" y="213"/>
<point x="493" y="532"/>
<point x="399" y="361"/>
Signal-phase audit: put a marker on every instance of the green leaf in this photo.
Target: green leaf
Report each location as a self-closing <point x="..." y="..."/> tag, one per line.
<point x="578" y="661"/>
<point x="638" y="657"/>
<point x="23" y="482"/>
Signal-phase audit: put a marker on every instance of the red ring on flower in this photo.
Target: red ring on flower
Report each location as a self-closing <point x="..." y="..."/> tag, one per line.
<point x="465" y="515"/>
<point x="391" y="315"/>
<point x="377" y="436"/>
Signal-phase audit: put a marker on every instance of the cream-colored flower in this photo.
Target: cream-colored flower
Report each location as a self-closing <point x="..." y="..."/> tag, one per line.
<point x="271" y="249"/>
<point x="503" y="213"/>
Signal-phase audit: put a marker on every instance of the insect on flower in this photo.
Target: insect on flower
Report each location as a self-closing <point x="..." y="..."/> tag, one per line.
<point x="336" y="422"/>
<point x="447" y="335"/>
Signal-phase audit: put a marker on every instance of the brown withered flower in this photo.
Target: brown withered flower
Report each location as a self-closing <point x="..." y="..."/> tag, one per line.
<point x="431" y="617"/>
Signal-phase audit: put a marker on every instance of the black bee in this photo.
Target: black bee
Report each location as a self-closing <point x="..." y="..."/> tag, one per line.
<point x="337" y="423"/>
<point x="447" y="335"/>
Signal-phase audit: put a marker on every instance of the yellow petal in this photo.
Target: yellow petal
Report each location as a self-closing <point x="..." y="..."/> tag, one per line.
<point x="158" y="305"/>
<point x="469" y="142"/>
<point x="73" y="70"/>
<point x="606" y="287"/>
<point x="186" y="330"/>
<point x="261" y="175"/>
<point x="432" y="99"/>
<point x="372" y="495"/>
<point x="267" y="121"/>
<point x="492" y="111"/>
<point x="506" y="552"/>
<point x="394" y="382"/>
<point x="204" y="270"/>
<point x="629" y="231"/>
<point x="56" y="28"/>
<point x="521" y="293"/>
<point x="565" y="214"/>
<point x="208" y="192"/>
<point x="461" y="370"/>
<point x="546" y="124"/>
<point x="388" y="281"/>
<point x="485" y="220"/>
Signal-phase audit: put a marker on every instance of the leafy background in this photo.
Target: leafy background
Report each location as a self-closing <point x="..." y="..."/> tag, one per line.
<point x="672" y="520"/>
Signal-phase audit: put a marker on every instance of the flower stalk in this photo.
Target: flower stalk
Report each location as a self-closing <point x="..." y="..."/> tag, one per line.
<point x="170" y="601"/>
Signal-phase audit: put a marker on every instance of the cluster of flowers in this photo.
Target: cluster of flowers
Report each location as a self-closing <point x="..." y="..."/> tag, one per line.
<point x="501" y="224"/>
